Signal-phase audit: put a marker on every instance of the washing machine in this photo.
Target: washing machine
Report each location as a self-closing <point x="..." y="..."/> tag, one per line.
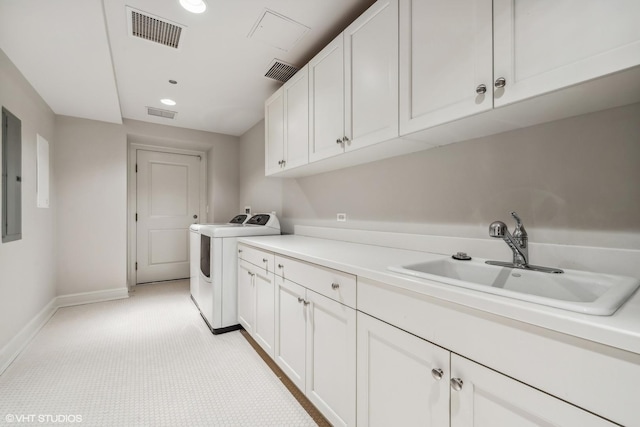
<point x="216" y="293"/>
<point x="194" y="251"/>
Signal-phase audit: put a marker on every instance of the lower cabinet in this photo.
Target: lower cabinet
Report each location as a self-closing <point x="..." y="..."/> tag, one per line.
<point x="315" y="346"/>
<point x="256" y="304"/>
<point x="246" y="296"/>
<point x="405" y="380"/>
<point x="303" y="316"/>
<point x="481" y="397"/>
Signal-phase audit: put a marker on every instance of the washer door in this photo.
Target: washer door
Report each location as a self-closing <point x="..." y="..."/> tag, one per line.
<point x="205" y="255"/>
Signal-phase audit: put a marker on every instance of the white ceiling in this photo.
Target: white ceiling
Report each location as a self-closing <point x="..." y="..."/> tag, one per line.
<point x="78" y="56"/>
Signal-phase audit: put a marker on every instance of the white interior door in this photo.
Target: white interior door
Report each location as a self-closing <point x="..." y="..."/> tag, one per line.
<point x="168" y="201"/>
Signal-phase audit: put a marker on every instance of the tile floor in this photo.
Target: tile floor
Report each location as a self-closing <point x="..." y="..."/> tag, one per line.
<point x="148" y="360"/>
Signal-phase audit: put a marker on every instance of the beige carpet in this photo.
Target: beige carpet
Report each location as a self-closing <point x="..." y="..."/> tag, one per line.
<point x="148" y="360"/>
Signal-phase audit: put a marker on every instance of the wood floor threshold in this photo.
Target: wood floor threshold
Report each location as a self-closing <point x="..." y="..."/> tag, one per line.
<point x="295" y="391"/>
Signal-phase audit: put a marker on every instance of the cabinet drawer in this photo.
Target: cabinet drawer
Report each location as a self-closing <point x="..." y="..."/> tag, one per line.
<point x="331" y="283"/>
<point x="257" y="257"/>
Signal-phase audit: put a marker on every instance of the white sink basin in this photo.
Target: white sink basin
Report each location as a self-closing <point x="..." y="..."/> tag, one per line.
<point x="584" y="292"/>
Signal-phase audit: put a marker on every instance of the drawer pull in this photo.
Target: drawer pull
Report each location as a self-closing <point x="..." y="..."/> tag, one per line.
<point x="456" y="384"/>
<point x="264" y="260"/>
<point x="437" y="374"/>
<point x="300" y="299"/>
<point x="305" y="302"/>
<point x="280" y="266"/>
<point x="239" y="251"/>
<point x="335" y="285"/>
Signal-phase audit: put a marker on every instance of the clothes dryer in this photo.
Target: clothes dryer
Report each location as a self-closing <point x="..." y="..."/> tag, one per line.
<point x="216" y="294"/>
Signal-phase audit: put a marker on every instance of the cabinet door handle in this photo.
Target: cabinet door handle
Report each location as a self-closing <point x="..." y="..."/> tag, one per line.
<point x="300" y="299"/>
<point x="345" y="139"/>
<point x="481" y="89"/>
<point x="305" y="302"/>
<point x="284" y="163"/>
<point x="500" y="82"/>
<point x="456" y="384"/>
<point x="335" y="285"/>
<point x="338" y="141"/>
<point x="239" y="251"/>
<point x="437" y="373"/>
<point x="280" y="266"/>
<point x="264" y="260"/>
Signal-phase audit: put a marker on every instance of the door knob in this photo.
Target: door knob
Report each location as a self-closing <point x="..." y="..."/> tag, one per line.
<point x="195" y="217"/>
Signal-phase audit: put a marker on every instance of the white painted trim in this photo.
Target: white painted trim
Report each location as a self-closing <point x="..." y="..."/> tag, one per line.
<point x="22" y="339"/>
<point x="91" y="297"/>
<point x="18" y="343"/>
<point x="132" y="197"/>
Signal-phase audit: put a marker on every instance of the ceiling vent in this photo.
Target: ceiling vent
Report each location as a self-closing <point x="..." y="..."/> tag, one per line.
<point x="165" y="114"/>
<point x="154" y="28"/>
<point x="281" y="71"/>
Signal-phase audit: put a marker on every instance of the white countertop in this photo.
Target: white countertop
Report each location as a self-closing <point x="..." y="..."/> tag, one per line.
<point x="620" y="330"/>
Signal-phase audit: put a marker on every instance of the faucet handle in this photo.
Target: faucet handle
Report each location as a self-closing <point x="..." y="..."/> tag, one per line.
<point x="519" y="232"/>
<point x="517" y="218"/>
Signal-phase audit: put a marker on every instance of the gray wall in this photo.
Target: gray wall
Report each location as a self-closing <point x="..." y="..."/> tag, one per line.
<point x="91" y="160"/>
<point x="27" y="266"/>
<point x="261" y="193"/>
<point x="573" y="181"/>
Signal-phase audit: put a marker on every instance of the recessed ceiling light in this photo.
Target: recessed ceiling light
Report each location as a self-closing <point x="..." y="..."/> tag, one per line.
<point x="167" y="101"/>
<point x="194" y="6"/>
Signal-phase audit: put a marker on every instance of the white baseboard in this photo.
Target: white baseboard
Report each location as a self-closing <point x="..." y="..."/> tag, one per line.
<point x="13" y="348"/>
<point x="19" y="342"/>
<point x="91" y="297"/>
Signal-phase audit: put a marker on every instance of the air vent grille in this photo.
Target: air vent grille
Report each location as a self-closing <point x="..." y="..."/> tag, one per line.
<point x="281" y="71"/>
<point x="166" y="114"/>
<point x="155" y="29"/>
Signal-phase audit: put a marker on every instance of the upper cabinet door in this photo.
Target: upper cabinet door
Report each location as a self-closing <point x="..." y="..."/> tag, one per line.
<point x="326" y="101"/>
<point x="371" y="76"/>
<point x="445" y="61"/>
<point x="296" y="119"/>
<point x="274" y="132"/>
<point x="545" y="45"/>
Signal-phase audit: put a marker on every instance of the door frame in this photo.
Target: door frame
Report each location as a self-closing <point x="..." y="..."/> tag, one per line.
<point x="132" y="198"/>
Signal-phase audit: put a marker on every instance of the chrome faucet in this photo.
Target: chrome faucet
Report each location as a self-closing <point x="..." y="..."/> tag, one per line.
<point x="518" y="242"/>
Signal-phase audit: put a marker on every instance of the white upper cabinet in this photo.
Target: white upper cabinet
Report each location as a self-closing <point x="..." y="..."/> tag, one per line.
<point x="274" y="132"/>
<point x="545" y="45"/>
<point x="408" y="75"/>
<point x="371" y="76"/>
<point x="446" y="61"/>
<point x="296" y="119"/>
<point x="326" y="101"/>
<point x="287" y="125"/>
<point x="353" y="85"/>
